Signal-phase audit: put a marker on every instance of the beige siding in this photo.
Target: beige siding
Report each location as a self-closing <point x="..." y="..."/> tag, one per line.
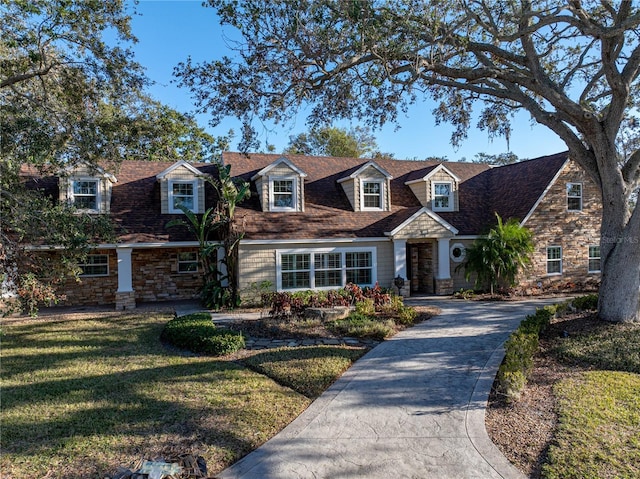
<point x="443" y="176"/>
<point x="349" y="189"/>
<point x="104" y="187"/>
<point x="420" y="191"/>
<point x="182" y="174"/>
<point x="257" y="263"/>
<point x="423" y="227"/>
<point x="458" y="276"/>
<point x="262" y="188"/>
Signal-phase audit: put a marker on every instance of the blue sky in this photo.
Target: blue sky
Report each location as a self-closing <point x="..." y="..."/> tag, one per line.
<point x="171" y="30"/>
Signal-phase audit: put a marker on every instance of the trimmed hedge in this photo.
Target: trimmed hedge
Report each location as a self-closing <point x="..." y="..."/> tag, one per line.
<point x="523" y="344"/>
<point x="197" y="333"/>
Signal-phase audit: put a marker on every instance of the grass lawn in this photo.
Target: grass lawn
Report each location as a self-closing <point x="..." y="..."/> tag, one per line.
<point x="598" y="435"/>
<point x="81" y="397"/>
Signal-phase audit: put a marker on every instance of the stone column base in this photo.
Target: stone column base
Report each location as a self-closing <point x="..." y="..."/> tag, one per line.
<point x="443" y="287"/>
<point x="125" y="301"/>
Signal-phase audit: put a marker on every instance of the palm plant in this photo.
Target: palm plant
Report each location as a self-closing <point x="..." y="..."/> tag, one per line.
<point x="220" y="285"/>
<point x="498" y="257"/>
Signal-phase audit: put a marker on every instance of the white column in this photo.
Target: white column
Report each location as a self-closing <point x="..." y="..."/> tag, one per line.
<point x="125" y="282"/>
<point x="222" y="268"/>
<point x="400" y="258"/>
<point x="444" y="271"/>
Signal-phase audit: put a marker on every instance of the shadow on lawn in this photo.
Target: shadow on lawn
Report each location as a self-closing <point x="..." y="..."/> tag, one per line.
<point x="107" y="389"/>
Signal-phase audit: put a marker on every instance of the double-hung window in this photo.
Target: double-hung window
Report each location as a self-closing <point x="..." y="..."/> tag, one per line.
<point x="372" y="195"/>
<point x="442" y="196"/>
<point x="574" y="196"/>
<point x="182" y="193"/>
<point x="282" y="194"/>
<point x="188" y="262"/>
<point x="554" y="260"/>
<point x="95" y="265"/>
<point x="86" y="194"/>
<point x="359" y="267"/>
<point x="296" y="271"/>
<point x="325" y="269"/>
<point x="594" y="259"/>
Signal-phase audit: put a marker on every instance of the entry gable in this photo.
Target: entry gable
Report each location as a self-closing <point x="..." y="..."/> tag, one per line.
<point x="424" y="223"/>
<point x="368" y="188"/>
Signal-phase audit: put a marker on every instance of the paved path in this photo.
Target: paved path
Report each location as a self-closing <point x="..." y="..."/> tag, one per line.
<point x="413" y="407"/>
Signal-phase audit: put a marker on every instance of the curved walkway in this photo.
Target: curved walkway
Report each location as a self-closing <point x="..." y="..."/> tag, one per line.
<point x="413" y="407"/>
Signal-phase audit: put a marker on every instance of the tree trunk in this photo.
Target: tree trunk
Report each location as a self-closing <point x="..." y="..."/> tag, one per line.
<point x="619" y="298"/>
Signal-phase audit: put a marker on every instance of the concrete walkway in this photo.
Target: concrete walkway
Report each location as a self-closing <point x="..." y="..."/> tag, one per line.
<point x="413" y="407"/>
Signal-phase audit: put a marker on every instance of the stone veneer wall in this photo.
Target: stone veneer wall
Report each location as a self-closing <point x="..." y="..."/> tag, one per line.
<point x="92" y="290"/>
<point x="156" y="277"/>
<point x="553" y="225"/>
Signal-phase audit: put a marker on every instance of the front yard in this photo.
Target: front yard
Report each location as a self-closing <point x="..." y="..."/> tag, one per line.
<point x="81" y="397"/>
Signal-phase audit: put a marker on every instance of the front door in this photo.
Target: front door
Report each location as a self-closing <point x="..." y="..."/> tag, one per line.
<point x="421" y="271"/>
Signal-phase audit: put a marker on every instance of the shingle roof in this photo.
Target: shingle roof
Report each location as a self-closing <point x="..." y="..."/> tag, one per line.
<point x="510" y="190"/>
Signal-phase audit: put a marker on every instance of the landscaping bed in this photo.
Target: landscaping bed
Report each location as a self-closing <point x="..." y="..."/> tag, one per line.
<point x="570" y="348"/>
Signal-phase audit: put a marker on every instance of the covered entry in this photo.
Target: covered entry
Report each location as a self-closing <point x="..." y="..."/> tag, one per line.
<point x="421" y="250"/>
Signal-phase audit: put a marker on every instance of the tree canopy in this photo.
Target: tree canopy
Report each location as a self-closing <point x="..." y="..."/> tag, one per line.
<point x="573" y="65"/>
<point x="71" y="92"/>
<point x="333" y="141"/>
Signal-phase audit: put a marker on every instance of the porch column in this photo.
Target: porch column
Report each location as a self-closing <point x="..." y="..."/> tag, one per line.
<point x="400" y="266"/>
<point x="444" y="283"/>
<point x="400" y="258"/>
<point x="125" y="296"/>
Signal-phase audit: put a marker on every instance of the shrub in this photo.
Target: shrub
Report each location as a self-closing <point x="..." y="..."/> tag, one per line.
<point x="586" y="303"/>
<point x="197" y="333"/>
<point x="405" y="315"/>
<point x="361" y="326"/>
<point x="519" y="351"/>
<point x="366" y="307"/>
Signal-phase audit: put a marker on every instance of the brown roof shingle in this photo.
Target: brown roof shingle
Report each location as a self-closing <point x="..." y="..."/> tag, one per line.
<point x="509" y="190"/>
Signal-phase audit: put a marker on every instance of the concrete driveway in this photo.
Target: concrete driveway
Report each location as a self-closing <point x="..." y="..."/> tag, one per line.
<point x="413" y="407"/>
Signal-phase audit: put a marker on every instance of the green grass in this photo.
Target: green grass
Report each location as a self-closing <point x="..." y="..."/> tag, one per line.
<point x="307" y="370"/>
<point x="599" y="432"/>
<point x="599" y="412"/>
<point x="358" y="325"/>
<point x="82" y="397"/>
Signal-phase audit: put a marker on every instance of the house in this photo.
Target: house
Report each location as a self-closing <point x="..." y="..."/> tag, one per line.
<point x="321" y="222"/>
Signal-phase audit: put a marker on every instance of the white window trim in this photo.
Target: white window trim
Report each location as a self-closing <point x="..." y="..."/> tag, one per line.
<point x="571" y="183"/>
<point x="178" y="211"/>
<point x="463" y="252"/>
<point x="589" y="259"/>
<point x="196" y="261"/>
<point x="560" y="260"/>
<point x="382" y="194"/>
<point x="100" y="264"/>
<point x="294" y="193"/>
<point x="311" y="252"/>
<point x="72" y="195"/>
<point x="433" y="195"/>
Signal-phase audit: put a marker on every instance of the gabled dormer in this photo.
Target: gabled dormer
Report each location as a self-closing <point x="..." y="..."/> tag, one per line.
<point x="436" y="188"/>
<point x="280" y="186"/>
<point x="86" y="187"/>
<point x="368" y="188"/>
<point x="181" y="184"/>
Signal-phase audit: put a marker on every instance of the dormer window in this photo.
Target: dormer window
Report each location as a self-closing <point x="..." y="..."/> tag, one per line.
<point x="283" y="194"/>
<point x="85" y="194"/>
<point x="182" y="193"/>
<point x="372" y="195"/>
<point x="442" y="196"/>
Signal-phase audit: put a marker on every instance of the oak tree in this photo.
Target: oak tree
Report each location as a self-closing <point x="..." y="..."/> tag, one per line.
<point x="572" y="64"/>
